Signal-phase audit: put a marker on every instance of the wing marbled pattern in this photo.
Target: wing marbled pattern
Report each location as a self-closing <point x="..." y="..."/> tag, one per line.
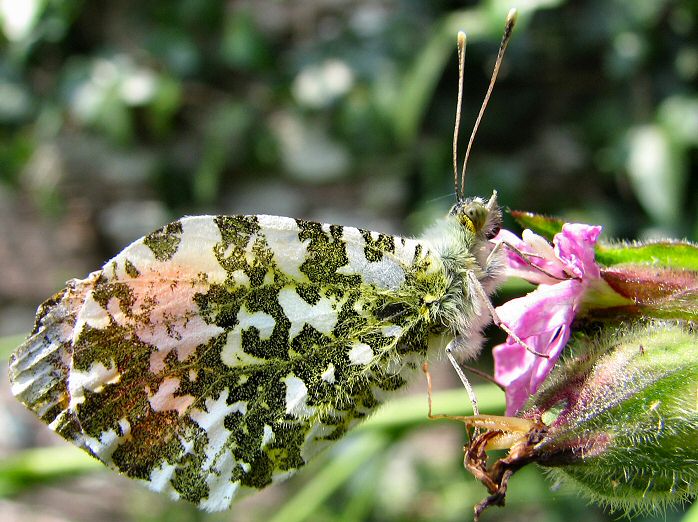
<point x="221" y="353"/>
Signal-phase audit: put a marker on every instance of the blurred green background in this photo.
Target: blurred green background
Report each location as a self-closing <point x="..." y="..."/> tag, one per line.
<point x="116" y="117"/>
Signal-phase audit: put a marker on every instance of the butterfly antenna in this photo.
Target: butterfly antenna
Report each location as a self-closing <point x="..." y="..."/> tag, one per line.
<point x="508" y="28"/>
<point x="456" y="130"/>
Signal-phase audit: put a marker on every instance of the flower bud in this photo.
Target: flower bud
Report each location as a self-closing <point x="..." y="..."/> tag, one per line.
<point x="622" y="416"/>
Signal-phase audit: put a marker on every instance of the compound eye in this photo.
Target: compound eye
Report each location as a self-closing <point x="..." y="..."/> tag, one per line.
<point x="491" y="234"/>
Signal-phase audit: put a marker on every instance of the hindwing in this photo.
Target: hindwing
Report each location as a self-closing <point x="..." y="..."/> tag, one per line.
<point x="219" y="354"/>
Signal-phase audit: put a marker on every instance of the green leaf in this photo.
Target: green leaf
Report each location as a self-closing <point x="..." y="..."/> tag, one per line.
<point x="244" y="46"/>
<point x="41" y="465"/>
<point x="656" y="167"/>
<point x="666" y="253"/>
<point x="8" y="345"/>
<point x="545" y="226"/>
<point x="338" y="470"/>
<point x="692" y="514"/>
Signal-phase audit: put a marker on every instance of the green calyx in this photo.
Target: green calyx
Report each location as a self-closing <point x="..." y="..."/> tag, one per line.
<point x="622" y="416"/>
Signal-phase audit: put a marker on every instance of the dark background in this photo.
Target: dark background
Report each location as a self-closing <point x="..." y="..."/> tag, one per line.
<point x="116" y="117"/>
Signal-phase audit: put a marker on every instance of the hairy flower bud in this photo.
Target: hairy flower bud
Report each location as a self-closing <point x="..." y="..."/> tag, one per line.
<point x="622" y="416"/>
<point x="618" y="420"/>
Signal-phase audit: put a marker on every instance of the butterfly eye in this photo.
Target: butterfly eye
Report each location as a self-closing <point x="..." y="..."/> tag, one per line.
<point x="492" y="233"/>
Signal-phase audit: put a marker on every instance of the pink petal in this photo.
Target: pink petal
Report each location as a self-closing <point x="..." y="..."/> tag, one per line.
<point x="511" y="368"/>
<point x="574" y="246"/>
<point x="542" y="319"/>
<point x="521" y="372"/>
<point x="547" y="307"/>
<point x="510" y="362"/>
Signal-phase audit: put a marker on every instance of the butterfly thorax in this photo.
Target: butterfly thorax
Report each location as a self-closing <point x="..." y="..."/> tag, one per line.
<point x="462" y="242"/>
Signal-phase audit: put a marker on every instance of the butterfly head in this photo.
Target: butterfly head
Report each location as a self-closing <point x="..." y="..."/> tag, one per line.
<point x="482" y="218"/>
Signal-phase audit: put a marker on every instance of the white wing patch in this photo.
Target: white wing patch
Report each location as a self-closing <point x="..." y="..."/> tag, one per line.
<point x="164" y="399"/>
<point x="281" y="234"/>
<point x="92" y="380"/>
<point x="296" y="397"/>
<point x="92" y="315"/>
<point x="387" y="273"/>
<point x="268" y="436"/>
<point x="321" y="316"/>
<point x="233" y="353"/>
<point x="360" y="353"/>
<point x="328" y="374"/>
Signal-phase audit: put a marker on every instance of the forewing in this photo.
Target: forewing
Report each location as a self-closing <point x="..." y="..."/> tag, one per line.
<point x="219" y="354"/>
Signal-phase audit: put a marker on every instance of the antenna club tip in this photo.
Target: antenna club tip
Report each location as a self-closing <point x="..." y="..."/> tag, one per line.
<point x="461" y="38"/>
<point x="511" y="16"/>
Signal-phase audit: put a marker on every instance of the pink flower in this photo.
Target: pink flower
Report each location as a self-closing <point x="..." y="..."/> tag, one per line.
<point x="543" y="318"/>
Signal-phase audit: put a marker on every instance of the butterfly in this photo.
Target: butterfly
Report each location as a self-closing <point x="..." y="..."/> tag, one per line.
<point x="219" y="354"/>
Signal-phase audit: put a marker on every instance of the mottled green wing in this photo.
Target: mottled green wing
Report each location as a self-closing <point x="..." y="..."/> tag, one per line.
<point x="219" y="354"/>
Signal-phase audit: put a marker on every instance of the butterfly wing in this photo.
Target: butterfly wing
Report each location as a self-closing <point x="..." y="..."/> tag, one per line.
<point x="219" y="354"/>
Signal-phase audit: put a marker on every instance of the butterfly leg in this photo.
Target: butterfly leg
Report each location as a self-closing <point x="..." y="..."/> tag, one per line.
<point x="463" y="379"/>
<point x="494" y="263"/>
<point x="525" y="257"/>
<point x="476" y="287"/>
<point x="512" y="427"/>
<point x="494" y="252"/>
<point x="528" y="259"/>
